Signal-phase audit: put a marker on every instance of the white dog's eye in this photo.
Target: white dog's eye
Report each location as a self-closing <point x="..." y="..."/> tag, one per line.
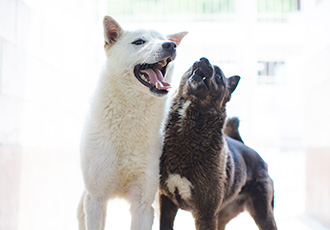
<point x="139" y="42"/>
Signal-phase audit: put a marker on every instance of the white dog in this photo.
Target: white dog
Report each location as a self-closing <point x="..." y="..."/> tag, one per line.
<point x="121" y="144"/>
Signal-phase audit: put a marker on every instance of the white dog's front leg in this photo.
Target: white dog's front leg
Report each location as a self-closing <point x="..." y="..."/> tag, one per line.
<point x="142" y="216"/>
<point x="81" y="213"/>
<point x="141" y="199"/>
<point x="95" y="212"/>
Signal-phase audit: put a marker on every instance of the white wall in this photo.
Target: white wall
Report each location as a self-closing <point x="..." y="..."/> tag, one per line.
<point x="47" y="61"/>
<point x="314" y="69"/>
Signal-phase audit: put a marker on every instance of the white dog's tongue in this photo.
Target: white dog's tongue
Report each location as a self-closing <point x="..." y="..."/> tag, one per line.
<point x="156" y="77"/>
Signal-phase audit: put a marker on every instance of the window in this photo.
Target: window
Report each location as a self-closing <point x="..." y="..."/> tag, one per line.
<point x="270" y="72"/>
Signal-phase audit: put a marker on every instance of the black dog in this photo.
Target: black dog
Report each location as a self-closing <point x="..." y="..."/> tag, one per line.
<point x="203" y="171"/>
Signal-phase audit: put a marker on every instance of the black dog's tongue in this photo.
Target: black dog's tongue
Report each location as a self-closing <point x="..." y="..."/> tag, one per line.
<point x="156" y="78"/>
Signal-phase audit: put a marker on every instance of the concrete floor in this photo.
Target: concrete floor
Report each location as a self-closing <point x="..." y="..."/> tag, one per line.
<point x="51" y="186"/>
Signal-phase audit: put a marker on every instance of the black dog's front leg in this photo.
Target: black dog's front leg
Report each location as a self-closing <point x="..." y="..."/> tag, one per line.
<point x="168" y="212"/>
<point x="206" y="222"/>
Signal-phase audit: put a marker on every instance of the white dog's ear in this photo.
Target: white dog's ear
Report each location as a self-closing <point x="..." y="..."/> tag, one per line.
<point x="177" y="37"/>
<point x="112" y="30"/>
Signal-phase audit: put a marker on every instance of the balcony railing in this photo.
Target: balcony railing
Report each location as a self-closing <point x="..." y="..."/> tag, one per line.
<point x="199" y="9"/>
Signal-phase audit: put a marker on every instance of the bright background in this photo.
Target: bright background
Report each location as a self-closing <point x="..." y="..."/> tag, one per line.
<point x="51" y="53"/>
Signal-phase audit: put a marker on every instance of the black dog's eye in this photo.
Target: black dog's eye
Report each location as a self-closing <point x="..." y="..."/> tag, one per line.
<point x="139" y="42"/>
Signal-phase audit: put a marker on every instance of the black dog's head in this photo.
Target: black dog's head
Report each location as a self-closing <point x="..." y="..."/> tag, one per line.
<point x="206" y="84"/>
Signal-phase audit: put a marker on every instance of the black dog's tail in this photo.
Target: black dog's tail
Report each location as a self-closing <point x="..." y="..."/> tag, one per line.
<point x="231" y="128"/>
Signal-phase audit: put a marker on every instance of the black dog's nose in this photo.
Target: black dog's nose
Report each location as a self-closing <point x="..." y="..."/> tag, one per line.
<point x="169" y="46"/>
<point x="205" y="60"/>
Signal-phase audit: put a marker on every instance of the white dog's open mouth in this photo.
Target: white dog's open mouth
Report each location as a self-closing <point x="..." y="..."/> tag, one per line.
<point x="152" y="75"/>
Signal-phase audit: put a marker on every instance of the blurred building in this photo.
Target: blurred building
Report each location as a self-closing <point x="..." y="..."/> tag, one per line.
<point x="51" y="54"/>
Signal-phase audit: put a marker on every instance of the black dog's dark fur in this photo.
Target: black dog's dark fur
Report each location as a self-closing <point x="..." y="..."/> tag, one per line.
<point x="213" y="176"/>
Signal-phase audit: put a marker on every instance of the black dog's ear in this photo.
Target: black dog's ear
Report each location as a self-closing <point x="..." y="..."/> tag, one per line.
<point x="233" y="82"/>
<point x="112" y="30"/>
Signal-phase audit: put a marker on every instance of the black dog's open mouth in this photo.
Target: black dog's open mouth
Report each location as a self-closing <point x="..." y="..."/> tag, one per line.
<point x="200" y="77"/>
<point x="152" y="75"/>
<point x="201" y="73"/>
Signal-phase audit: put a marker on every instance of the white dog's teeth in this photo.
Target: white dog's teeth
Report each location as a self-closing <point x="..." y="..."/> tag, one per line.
<point x="144" y="78"/>
<point x="163" y="63"/>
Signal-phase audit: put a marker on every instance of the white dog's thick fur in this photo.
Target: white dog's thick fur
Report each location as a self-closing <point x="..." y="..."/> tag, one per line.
<point x="121" y="144"/>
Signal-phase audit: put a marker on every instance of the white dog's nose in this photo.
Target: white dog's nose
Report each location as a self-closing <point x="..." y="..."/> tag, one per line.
<point x="169" y="47"/>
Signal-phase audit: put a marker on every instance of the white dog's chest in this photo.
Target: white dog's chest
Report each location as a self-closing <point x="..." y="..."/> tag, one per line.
<point x="131" y="132"/>
<point x="128" y="136"/>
